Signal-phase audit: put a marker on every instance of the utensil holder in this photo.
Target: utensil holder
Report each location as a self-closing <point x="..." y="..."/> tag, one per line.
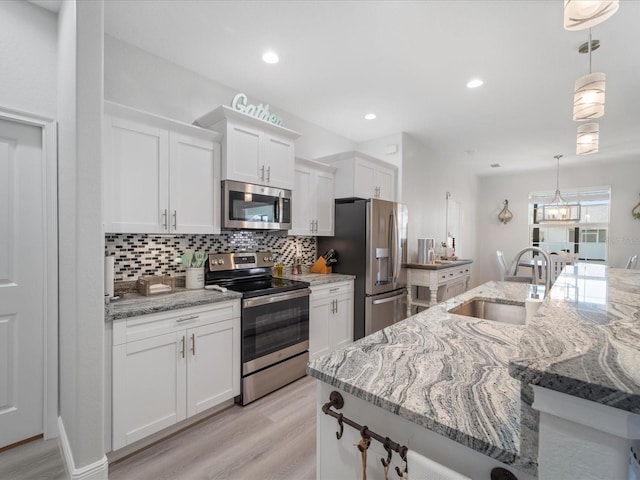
<point x="194" y="278"/>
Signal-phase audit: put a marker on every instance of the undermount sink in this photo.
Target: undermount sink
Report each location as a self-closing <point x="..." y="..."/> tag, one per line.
<point x="492" y="310"/>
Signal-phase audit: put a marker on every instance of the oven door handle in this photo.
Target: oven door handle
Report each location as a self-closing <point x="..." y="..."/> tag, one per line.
<point x="280" y="297"/>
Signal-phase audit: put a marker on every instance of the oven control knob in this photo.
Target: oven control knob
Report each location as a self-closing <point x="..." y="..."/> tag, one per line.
<point x="221" y="262"/>
<point x="214" y="262"/>
<point x="265" y="259"/>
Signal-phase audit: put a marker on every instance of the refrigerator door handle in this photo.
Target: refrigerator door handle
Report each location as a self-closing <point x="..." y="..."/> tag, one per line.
<point x="393" y="233"/>
<point x="389" y="299"/>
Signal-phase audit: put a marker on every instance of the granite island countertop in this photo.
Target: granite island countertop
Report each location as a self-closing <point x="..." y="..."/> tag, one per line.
<point x="585" y="340"/>
<point x="134" y="304"/>
<point x="455" y="375"/>
<point x="446" y="372"/>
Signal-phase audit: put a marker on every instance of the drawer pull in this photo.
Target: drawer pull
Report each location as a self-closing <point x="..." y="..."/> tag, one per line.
<point x="335" y="289"/>
<point x="190" y="317"/>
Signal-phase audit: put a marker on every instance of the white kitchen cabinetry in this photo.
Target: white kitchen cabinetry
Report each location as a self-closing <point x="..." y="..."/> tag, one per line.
<point x="253" y="151"/>
<point x="330" y="317"/>
<point x="173" y="365"/>
<point x="359" y="175"/>
<point x="160" y="176"/>
<point x="312" y="198"/>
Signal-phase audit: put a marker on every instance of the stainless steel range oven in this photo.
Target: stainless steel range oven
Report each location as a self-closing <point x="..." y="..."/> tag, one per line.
<point x="275" y="320"/>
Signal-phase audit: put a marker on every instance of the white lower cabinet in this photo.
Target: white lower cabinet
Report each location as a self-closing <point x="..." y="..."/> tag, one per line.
<point x="170" y="366"/>
<point x="330" y="317"/>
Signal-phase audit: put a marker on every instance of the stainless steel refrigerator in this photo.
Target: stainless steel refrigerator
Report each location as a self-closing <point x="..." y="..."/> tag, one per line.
<point x="370" y="239"/>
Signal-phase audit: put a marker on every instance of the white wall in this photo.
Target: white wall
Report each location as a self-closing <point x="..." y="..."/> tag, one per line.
<point x="139" y="79"/>
<point x="28" y="39"/>
<point x="81" y="246"/>
<point x="624" y="234"/>
<point x="426" y="181"/>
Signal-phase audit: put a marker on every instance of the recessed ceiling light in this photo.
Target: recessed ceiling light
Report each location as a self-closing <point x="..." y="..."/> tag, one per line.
<point x="270" y="57"/>
<point x="475" y="83"/>
<point x="370" y="116"/>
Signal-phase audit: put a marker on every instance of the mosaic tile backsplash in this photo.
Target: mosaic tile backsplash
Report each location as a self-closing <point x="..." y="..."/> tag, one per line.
<point x="142" y="254"/>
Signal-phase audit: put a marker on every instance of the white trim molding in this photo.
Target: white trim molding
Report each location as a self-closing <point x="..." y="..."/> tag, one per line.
<point x="50" y="267"/>
<point x="98" y="470"/>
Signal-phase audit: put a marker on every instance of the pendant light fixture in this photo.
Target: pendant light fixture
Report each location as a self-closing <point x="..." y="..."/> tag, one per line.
<point x="589" y="92"/>
<point x="581" y="14"/>
<point x="588" y="139"/>
<point x="559" y="210"/>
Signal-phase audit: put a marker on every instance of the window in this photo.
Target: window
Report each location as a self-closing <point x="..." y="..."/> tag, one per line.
<point x="586" y="236"/>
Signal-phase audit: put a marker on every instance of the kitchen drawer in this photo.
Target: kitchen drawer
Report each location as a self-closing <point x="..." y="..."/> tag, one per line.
<point x="151" y="325"/>
<point x="331" y="289"/>
<point x="450" y="274"/>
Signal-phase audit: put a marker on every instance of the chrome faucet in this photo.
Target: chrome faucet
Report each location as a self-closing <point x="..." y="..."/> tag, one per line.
<point x="548" y="266"/>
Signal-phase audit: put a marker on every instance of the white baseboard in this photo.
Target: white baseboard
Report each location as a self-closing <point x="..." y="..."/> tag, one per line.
<point x="95" y="471"/>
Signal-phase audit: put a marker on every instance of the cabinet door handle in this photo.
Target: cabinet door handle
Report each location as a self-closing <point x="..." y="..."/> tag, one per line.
<point x="175" y="219"/>
<point x="336" y="306"/>
<point x="182" y="346"/>
<point x="164" y="220"/>
<point x="311" y="228"/>
<point x="268" y="174"/>
<point x="190" y="317"/>
<point x="193" y="344"/>
<point x="262" y="173"/>
<point x="315" y="229"/>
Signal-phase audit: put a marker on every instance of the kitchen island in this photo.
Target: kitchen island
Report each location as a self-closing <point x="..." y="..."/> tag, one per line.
<point x="441" y="383"/>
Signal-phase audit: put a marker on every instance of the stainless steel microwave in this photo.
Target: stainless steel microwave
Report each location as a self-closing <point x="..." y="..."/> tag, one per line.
<point x="248" y="206"/>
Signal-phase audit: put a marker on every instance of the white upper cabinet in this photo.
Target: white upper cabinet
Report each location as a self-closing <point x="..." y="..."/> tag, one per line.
<point x="312" y="200"/>
<point x="160" y="176"/>
<point x="359" y="175"/>
<point x="253" y="151"/>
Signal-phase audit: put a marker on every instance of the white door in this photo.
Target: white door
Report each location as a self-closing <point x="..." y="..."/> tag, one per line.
<point x="22" y="257"/>
<point x="243" y="154"/>
<point x="210" y="376"/>
<point x="343" y="321"/>
<point x="324" y="203"/>
<point x="385" y="181"/>
<point x="149" y="384"/>
<point x="364" y="186"/>
<point x="137" y="183"/>
<point x="278" y="161"/>
<point x="320" y="313"/>
<point x="301" y="200"/>
<point x="194" y="192"/>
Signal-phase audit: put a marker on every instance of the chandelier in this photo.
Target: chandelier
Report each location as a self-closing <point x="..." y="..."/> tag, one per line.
<point x="559" y="210"/>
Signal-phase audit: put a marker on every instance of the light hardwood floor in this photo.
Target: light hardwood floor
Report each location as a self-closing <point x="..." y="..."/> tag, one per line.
<point x="272" y="438"/>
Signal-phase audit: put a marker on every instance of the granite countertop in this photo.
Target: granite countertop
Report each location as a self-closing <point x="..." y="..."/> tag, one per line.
<point x="585" y="340"/>
<point x="442" y="264"/>
<point x="446" y="372"/>
<point x="468" y="379"/>
<point x="134" y="304"/>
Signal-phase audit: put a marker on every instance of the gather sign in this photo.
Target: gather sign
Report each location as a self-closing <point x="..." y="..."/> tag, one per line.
<point x="261" y="111"/>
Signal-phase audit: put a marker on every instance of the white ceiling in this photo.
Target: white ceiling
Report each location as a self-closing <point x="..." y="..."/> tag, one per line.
<point x="409" y="62"/>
